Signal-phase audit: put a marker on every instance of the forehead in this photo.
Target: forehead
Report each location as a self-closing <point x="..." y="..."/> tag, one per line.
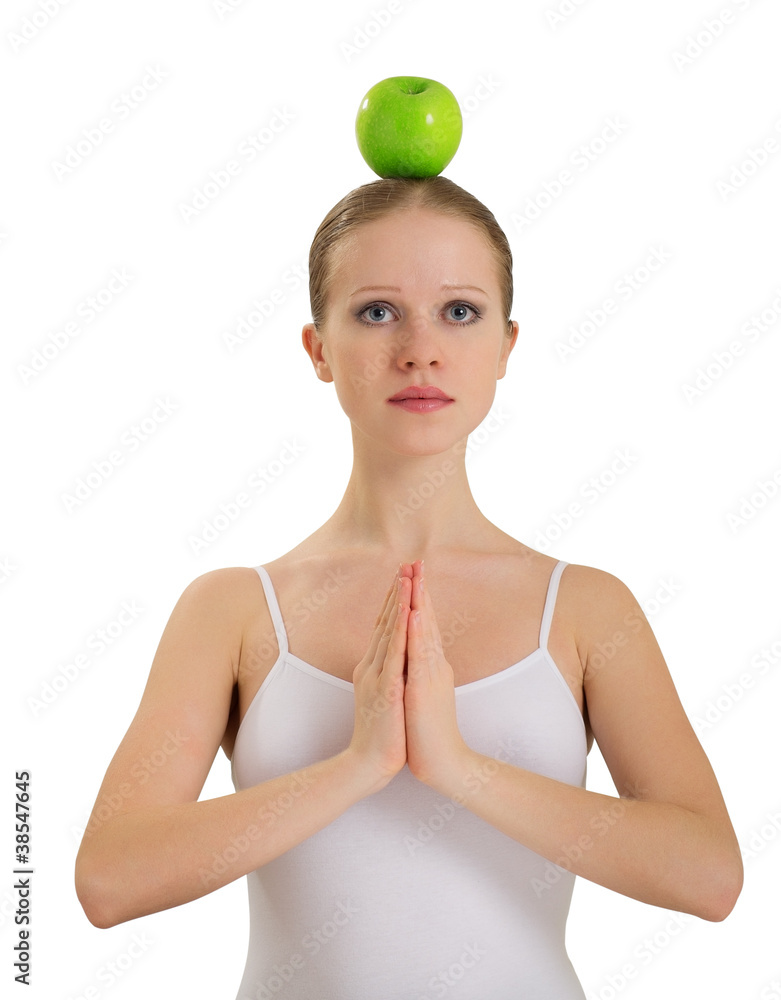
<point x="415" y="248"/>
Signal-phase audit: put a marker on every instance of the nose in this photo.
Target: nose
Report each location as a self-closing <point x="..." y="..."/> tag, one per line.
<point x="418" y="344"/>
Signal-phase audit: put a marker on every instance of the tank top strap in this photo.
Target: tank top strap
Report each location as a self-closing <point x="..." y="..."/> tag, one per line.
<point x="273" y="607"/>
<point x="550" y="602"/>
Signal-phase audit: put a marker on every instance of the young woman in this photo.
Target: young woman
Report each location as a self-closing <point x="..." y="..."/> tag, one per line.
<point x="409" y="695"/>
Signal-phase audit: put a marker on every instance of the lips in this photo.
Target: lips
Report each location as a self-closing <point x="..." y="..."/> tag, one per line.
<point x="420" y="392"/>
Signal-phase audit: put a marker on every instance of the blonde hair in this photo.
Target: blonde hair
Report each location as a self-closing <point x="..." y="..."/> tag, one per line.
<point x="379" y="198"/>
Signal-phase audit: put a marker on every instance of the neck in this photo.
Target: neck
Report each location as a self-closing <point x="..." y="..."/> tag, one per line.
<point x="407" y="506"/>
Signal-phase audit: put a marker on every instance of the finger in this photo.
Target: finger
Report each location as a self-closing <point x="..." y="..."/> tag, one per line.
<point x="425" y="641"/>
<point x="381" y="625"/>
<point x="414" y="626"/>
<point x="394" y="661"/>
<point x="388" y="597"/>
<point x="417" y="580"/>
<point x="427" y="606"/>
<point x="394" y="637"/>
<point x="415" y="651"/>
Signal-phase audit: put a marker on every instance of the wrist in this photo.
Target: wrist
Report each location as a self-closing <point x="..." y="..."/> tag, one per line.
<point x="461" y="774"/>
<point x="362" y="774"/>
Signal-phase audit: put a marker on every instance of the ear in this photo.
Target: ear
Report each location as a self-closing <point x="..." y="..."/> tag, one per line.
<point x="507" y="346"/>
<point x="313" y="346"/>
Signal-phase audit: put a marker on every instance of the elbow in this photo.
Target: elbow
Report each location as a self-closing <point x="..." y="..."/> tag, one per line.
<point x="94" y="908"/>
<point x="724" y="904"/>
<point x="94" y="894"/>
<point x="724" y="888"/>
<point x="97" y="917"/>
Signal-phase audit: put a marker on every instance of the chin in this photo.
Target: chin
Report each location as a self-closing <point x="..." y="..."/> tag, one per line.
<point x="420" y="435"/>
<point x="421" y="443"/>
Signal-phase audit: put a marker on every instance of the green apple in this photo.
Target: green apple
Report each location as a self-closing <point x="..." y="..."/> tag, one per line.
<point x="408" y="126"/>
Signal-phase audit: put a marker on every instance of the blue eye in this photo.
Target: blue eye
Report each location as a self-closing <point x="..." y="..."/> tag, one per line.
<point x="458" y="313"/>
<point x="374" y="313"/>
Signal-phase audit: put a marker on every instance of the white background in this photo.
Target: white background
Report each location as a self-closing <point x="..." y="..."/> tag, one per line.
<point x="536" y="90"/>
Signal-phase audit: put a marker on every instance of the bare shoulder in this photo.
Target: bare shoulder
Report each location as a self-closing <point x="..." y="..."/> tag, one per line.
<point x="224" y="586"/>
<point x="634" y="709"/>
<point x="185" y="706"/>
<point x="592" y="585"/>
<point x="588" y="598"/>
<point x="599" y="607"/>
<point x="201" y="644"/>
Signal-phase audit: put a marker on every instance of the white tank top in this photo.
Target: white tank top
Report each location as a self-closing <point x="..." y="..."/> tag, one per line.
<point x="406" y="895"/>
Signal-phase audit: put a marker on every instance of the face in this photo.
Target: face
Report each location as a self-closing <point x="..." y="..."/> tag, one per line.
<point x="414" y="303"/>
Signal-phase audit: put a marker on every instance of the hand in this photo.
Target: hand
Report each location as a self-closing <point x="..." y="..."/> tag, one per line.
<point x="379" y="734"/>
<point x="434" y="741"/>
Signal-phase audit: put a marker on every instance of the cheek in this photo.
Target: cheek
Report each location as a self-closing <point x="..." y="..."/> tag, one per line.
<point x="359" y="364"/>
<point x="355" y="372"/>
<point x="481" y="361"/>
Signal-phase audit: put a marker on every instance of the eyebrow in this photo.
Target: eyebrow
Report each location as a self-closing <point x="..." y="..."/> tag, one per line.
<point x="394" y="288"/>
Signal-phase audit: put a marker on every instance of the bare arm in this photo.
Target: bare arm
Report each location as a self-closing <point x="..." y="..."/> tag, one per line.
<point x="149" y="844"/>
<point x="667" y="838"/>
